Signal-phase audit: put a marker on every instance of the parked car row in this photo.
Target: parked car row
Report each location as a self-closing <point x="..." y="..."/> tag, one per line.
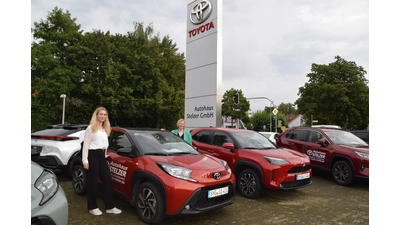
<point x="161" y="175"/>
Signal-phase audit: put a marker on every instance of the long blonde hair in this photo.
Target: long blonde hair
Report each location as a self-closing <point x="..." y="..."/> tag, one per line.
<point x="94" y="123"/>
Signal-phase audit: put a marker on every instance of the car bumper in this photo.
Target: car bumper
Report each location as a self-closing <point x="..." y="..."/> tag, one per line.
<point x="278" y="179"/>
<point x="199" y="201"/>
<point x="55" y="211"/>
<point x="50" y="162"/>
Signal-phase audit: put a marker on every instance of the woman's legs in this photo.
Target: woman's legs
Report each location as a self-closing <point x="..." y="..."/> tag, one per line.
<point x="106" y="181"/>
<point x="92" y="176"/>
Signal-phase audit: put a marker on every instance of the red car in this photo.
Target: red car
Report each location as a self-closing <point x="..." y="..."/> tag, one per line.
<point x="161" y="175"/>
<point x="342" y="153"/>
<point x="256" y="162"/>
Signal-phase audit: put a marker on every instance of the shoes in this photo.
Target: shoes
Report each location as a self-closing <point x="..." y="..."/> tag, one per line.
<point x="114" y="211"/>
<point x="96" y="212"/>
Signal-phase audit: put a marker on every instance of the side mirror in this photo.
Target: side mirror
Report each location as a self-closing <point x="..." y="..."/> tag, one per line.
<point x="229" y="145"/>
<point x="323" y="142"/>
<point x="125" y="152"/>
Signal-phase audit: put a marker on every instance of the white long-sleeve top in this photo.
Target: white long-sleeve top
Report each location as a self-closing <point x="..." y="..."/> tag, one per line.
<point x="96" y="140"/>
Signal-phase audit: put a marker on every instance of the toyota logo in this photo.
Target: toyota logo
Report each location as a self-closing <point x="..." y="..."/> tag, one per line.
<point x="217" y="175"/>
<point x="200" y="12"/>
<point x="303" y="164"/>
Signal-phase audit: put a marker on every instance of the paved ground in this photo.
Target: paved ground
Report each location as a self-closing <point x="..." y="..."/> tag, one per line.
<point x="323" y="203"/>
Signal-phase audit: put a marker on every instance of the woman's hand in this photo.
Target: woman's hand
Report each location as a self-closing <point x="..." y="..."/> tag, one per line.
<point x="86" y="166"/>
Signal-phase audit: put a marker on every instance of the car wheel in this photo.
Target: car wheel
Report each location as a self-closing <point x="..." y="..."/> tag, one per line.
<point x="149" y="203"/>
<point x="249" y="184"/>
<point x="342" y="173"/>
<point x="79" y="179"/>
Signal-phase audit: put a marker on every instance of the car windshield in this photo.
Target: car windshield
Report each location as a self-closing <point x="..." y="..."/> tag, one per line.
<point x="345" y="138"/>
<point x="252" y="140"/>
<point x="162" y="143"/>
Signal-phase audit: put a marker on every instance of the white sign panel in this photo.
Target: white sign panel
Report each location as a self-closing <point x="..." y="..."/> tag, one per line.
<point x="203" y="64"/>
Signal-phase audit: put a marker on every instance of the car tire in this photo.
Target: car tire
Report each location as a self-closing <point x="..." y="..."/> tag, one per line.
<point x="79" y="179"/>
<point x="149" y="203"/>
<point x="342" y="173"/>
<point x="248" y="183"/>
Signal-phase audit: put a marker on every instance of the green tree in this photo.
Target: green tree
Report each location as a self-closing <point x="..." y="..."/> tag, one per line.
<point x="267" y="118"/>
<point x="286" y="108"/>
<point x="53" y="70"/>
<point x="337" y="93"/>
<point x="138" y="77"/>
<point x="230" y="108"/>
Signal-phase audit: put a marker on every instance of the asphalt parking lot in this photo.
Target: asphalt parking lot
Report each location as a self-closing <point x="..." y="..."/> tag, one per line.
<point x="324" y="202"/>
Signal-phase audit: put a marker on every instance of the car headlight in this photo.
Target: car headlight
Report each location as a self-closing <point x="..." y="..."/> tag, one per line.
<point x="47" y="184"/>
<point x="228" y="169"/>
<point x="177" y="171"/>
<point x="362" y="154"/>
<point x="276" y="161"/>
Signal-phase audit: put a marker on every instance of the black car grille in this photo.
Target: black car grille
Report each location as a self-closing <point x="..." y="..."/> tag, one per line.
<point x="35" y="150"/>
<point x="296" y="184"/>
<point x="204" y="202"/>
<point x="298" y="169"/>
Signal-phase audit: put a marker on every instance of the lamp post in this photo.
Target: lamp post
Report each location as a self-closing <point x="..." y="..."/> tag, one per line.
<point x="63" y="96"/>
<point x="270" y="115"/>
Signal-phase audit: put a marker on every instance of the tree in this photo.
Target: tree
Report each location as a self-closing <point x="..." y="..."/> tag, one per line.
<point x="138" y="77"/>
<point x="337" y="93"/>
<point x="287" y="108"/>
<point x="53" y="65"/>
<point x="231" y="108"/>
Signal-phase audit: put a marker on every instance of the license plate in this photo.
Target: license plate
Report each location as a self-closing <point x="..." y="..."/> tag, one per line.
<point x="302" y="176"/>
<point x="218" y="192"/>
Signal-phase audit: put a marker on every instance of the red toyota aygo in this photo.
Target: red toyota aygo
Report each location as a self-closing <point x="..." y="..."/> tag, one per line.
<point x="161" y="175"/>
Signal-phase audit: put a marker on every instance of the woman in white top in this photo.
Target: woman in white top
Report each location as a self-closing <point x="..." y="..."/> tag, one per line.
<point x="94" y="154"/>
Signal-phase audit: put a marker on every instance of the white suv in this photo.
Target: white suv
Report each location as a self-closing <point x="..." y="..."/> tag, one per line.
<point x="54" y="147"/>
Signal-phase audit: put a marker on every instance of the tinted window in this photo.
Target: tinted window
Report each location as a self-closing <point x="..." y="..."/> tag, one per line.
<point x="301" y="135"/>
<point x="220" y="138"/>
<point x="202" y="136"/>
<point x="119" y="140"/>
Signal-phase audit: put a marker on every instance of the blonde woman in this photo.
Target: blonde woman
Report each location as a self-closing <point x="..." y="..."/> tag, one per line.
<point x="181" y="132"/>
<point x="94" y="154"/>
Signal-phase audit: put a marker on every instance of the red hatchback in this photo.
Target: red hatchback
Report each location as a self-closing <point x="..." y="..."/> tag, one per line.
<point x="161" y="175"/>
<point x="256" y="162"/>
<point x="342" y="153"/>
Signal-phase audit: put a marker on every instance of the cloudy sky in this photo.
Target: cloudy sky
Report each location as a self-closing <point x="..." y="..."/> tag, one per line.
<point x="268" y="45"/>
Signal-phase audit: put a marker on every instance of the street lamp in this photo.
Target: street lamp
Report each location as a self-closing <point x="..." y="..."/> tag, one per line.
<point x="63" y="96"/>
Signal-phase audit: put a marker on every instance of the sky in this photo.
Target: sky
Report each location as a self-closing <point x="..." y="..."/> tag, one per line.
<point x="268" y="45"/>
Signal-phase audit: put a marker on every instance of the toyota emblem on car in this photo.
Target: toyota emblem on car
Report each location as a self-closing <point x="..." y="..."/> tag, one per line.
<point x="217" y="175"/>
<point x="200" y="12"/>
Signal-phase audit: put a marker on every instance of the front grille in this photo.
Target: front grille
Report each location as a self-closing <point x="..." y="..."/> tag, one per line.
<point x="298" y="169"/>
<point x="296" y="184"/>
<point x="35" y="150"/>
<point x="204" y="202"/>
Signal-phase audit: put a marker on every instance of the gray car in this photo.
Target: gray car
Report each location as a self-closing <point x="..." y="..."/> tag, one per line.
<point x="49" y="204"/>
